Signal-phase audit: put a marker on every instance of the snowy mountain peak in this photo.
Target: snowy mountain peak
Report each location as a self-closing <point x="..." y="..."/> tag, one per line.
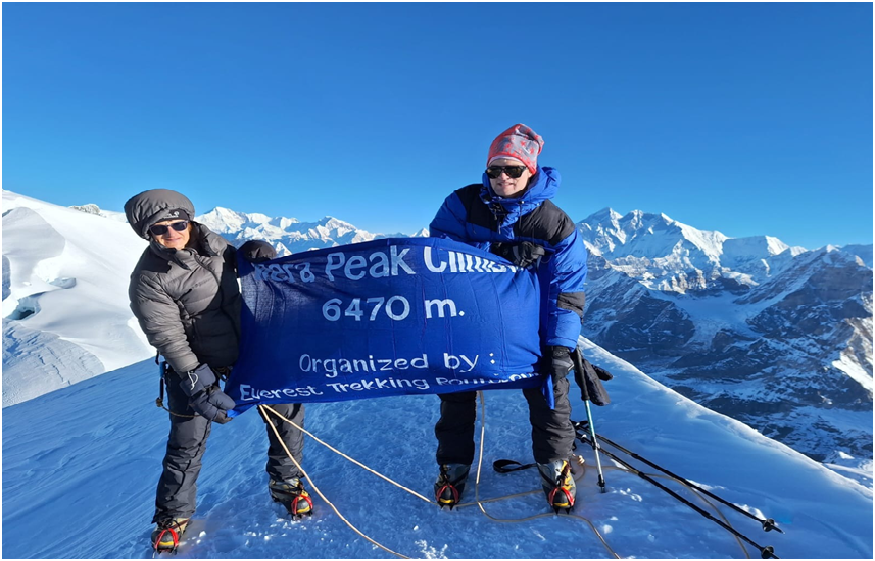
<point x="606" y="214"/>
<point x="645" y="242"/>
<point x="740" y="324"/>
<point x="222" y="220"/>
<point x="794" y="362"/>
<point x="661" y="247"/>
<point x="335" y="224"/>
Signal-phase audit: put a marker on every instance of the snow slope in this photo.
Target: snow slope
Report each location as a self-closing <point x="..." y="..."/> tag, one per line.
<point x="80" y="465"/>
<point x="62" y="264"/>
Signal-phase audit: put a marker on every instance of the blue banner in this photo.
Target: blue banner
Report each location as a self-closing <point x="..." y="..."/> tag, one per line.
<point x="381" y="318"/>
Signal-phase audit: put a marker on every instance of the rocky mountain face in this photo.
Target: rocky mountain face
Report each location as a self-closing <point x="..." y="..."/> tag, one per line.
<point x="775" y="336"/>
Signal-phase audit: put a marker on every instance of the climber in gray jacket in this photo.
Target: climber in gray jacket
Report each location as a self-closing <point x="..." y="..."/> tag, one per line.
<point x="185" y="295"/>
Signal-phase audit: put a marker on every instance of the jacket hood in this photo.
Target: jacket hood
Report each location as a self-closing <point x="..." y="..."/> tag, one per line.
<point x="546" y="185"/>
<point x="152" y="206"/>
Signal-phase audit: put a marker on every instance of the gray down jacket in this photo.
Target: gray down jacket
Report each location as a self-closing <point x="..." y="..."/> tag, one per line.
<point x="187" y="301"/>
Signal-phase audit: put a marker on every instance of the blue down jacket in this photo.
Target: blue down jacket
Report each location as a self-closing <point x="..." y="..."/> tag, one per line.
<point x="477" y="216"/>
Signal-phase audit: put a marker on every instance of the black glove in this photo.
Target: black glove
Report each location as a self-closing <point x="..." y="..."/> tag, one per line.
<point x="522" y="254"/>
<point x="256" y="251"/>
<point x="603" y="374"/>
<point x="560" y="362"/>
<point x="205" y="397"/>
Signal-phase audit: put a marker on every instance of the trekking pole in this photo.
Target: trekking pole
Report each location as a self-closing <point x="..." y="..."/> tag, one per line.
<point x="767" y="552"/>
<point x="769" y="524"/>
<point x="577" y="359"/>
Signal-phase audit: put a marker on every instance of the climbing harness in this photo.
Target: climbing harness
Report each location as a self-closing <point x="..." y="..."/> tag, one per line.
<point x="162" y="371"/>
<point x="222" y="373"/>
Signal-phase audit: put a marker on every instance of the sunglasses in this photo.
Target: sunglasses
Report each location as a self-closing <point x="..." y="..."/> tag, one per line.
<point x="514" y="172"/>
<point x="161" y="229"/>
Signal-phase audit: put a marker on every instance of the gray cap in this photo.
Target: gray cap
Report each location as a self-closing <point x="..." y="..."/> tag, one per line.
<point x="156" y="205"/>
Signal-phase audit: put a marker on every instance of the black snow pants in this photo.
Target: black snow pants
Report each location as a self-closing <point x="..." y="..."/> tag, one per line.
<point x="177" y="486"/>
<point x="552" y="431"/>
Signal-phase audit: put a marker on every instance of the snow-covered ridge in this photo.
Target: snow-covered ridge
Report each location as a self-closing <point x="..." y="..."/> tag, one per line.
<point x="66" y="313"/>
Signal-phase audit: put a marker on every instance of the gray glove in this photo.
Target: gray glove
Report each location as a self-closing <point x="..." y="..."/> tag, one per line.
<point x="205" y="396"/>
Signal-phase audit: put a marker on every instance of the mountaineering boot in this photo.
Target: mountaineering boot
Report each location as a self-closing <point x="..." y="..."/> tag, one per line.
<point x="292" y="495"/>
<point x="450" y="484"/>
<point x="558" y="484"/>
<point x="167" y="533"/>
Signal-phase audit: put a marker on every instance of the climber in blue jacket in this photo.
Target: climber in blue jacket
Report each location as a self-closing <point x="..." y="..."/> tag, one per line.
<point x="510" y="214"/>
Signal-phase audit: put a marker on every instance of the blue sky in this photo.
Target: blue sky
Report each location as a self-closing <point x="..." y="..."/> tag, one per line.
<point x="749" y="119"/>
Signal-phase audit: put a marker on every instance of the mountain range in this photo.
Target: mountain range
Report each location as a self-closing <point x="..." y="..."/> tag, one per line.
<point x="778" y="337"/>
<point x="288" y="235"/>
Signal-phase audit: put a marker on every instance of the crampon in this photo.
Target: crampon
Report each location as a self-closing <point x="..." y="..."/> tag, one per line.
<point x="296" y="500"/>
<point x="561" y="495"/>
<point x="166" y="536"/>
<point x="450" y="484"/>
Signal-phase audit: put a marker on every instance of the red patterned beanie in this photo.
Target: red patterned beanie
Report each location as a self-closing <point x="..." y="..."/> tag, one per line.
<point x="519" y="142"/>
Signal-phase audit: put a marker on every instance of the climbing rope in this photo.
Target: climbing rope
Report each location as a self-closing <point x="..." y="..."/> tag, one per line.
<point x="341" y="454"/>
<point x="477" y="502"/>
<point x="503" y="520"/>
<point x="578" y="475"/>
<point x="264" y="408"/>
